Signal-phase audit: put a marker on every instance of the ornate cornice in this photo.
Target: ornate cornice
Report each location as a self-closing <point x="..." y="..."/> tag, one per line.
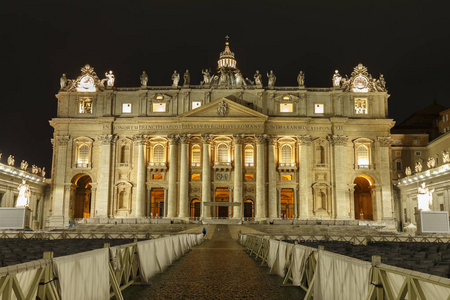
<point x="272" y="139"/>
<point x="260" y="138"/>
<point x="384" y="141"/>
<point x="173" y="139"/>
<point x="238" y="138"/>
<point x="305" y="139"/>
<point x="62" y="140"/>
<point x="206" y="138"/>
<point x="184" y="138"/>
<point x="107" y="139"/>
<point x="338" y="140"/>
<point x="139" y="139"/>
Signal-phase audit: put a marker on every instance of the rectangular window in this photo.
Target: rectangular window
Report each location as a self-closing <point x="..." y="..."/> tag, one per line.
<point x="248" y="176"/>
<point x="157" y="176"/>
<point x="418" y="153"/>
<point x="159" y="107"/>
<point x="85" y="106"/>
<point x="441" y="207"/>
<point x="446" y="129"/>
<point x="126" y="108"/>
<point x="286" y="177"/>
<point x="195" y="176"/>
<point x="318" y="108"/>
<point x="286" y="107"/>
<point x="361" y="107"/>
<point x="196" y="104"/>
<point x="445" y="118"/>
<point x="399" y="166"/>
<point x="416" y="142"/>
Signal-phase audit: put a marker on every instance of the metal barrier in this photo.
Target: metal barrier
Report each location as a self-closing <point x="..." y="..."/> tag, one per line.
<point x="381" y="286"/>
<point x="57" y="235"/>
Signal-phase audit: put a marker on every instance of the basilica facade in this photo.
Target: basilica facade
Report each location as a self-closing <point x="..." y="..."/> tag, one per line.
<point x="228" y="148"/>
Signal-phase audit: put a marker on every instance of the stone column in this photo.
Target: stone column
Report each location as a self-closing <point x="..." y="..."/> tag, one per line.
<point x="104" y="177"/>
<point x="184" y="177"/>
<point x="139" y="142"/>
<point x="173" y="172"/>
<point x="386" y="211"/>
<point x="377" y="206"/>
<point x="206" y="176"/>
<point x="260" y="178"/>
<point x="342" y="203"/>
<point x="351" y="194"/>
<point x="304" y="194"/>
<point x="295" y="204"/>
<point x="230" y="199"/>
<point x="165" y="203"/>
<point x="279" y="202"/>
<point x="237" y="210"/>
<point x="214" y="208"/>
<point x="61" y="159"/>
<point x="272" y="174"/>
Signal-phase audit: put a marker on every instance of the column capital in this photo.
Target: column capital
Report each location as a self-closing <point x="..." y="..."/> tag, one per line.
<point x="384" y="141"/>
<point x="107" y="139"/>
<point x="184" y="138"/>
<point x="238" y="138"/>
<point x="139" y="139"/>
<point x="173" y="139"/>
<point x="272" y="139"/>
<point x="304" y="139"/>
<point x="206" y="138"/>
<point x="338" y="140"/>
<point x="260" y="138"/>
<point x="62" y="140"/>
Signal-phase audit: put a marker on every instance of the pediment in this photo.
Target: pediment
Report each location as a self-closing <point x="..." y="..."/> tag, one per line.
<point x="223" y="108"/>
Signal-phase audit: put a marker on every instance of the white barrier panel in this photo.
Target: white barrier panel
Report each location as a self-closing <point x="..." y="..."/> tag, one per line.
<point x="147" y="258"/>
<point x="281" y="259"/>
<point x="162" y="253"/>
<point x="299" y="258"/>
<point x="25" y="280"/>
<point x="177" y="247"/>
<point x="273" y="250"/>
<point x="83" y="275"/>
<point x="341" y="278"/>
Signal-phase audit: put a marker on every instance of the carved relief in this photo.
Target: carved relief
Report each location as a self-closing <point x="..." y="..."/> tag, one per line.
<point x="222" y="108"/>
<point x="107" y="139"/>
<point x="139" y="139"/>
<point x="206" y="138"/>
<point x="338" y="140"/>
<point x="62" y="140"/>
<point x="384" y="141"/>
<point x="260" y="138"/>
<point x="184" y="138"/>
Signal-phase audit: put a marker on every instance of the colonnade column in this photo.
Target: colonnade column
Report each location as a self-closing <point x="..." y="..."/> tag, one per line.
<point x="304" y="194"/>
<point x="342" y="203"/>
<point x="260" y="178"/>
<point x="173" y="172"/>
<point x="386" y="211"/>
<point x="237" y="210"/>
<point x="206" y="176"/>
<point x="278" y="190"/>
<point x="271" y="165"/>
<point x="230" y="192"/>
<point x="139" y="141"/>
<point x="184" y="177"/>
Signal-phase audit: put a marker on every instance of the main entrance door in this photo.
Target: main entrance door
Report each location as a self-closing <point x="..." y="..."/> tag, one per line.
<point x="287" y="203"/>
<point x="248" y="209"/>
<point x="222" y="195"/>
<point x="81" y="197"/>
<point x="157" y="203"/>
<point x="363" y="197"/>
<point x="195" y="209"/>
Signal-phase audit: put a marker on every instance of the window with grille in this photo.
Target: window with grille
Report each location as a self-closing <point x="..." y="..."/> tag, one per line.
<point x="196" y="158"/>
<point x="248" y="155"/>
<point x="222" y="152"/>
<point x="83" y="154"/>
<point x="286" y="153"/>
<point x="363" y="155"/>
<point x="158" y="154"/>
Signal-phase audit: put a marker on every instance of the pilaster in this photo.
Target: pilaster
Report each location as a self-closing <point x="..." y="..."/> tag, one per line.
<point x="184" y="177"/>
<point x="272" y="174"/>
<point x="173" y="172"/>
<point x="140" y="141"/>
<point x="260" y="178"/>
<point x="206" y="175"/>
<point x="237" y="210"/>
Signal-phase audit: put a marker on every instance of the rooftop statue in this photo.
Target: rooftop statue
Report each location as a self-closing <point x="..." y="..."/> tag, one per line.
<point x="110" y="78"/>
<point x="272" y="79"/>
<point x="445" y="157"/>
<point x="431" y="163"/>
<point x="408" y="171"/>
<point x="206" y="77"/>
<point x="175" y="79"/>
<point x="301" y="79"/>
<point x="63" y="81"/>
<point x="144" y="79"/>
<point x="23" y="165"/>
<point x="240" y="81"/>
<point x="337" y="79"/>
<point x="11" y="160"/>
<point x="424" y="197"/>
<point x="258" y="79"/>
<point x="223" y="79"/>
<point x="34" y="169"/>
<point x="24" y="194"/>
<point x="43" y="172"/>
<point x="187" y="78"/>
<point x="418" y="167"/>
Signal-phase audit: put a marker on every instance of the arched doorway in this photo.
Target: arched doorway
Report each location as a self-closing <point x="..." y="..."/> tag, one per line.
<point x="81" y="196"/>
<point x="222" y="195"/>
<point x="157" y="203"/>
<point x="287" y="203"/>
<point x="195" y="209"/>
<point x="363" y="197"/>
<point x="248" y="209"/>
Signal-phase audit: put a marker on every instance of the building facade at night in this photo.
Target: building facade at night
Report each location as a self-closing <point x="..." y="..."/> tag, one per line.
<point x="228" y="148"/>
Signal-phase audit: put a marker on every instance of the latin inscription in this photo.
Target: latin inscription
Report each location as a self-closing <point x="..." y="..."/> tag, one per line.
<point x="220" y="126"/>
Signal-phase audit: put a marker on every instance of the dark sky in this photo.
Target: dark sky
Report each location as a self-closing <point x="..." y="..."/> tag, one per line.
<point x="407" y="41"/>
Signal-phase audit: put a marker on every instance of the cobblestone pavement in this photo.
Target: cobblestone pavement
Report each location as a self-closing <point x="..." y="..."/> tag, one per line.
<point x="217" y="269"/>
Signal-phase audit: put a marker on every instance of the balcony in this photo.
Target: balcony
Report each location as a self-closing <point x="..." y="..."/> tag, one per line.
<point x="364" y="167"/>
<point x="157" y="166"/>
<point x="222" y="166"/>
<point x="287" y="167"/>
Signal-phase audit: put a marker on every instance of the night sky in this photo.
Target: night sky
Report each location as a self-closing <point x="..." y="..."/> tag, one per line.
<point x="406" y="41"/>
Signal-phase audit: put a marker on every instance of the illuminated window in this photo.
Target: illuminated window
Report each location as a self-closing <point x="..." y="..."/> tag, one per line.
<point x="286" y="177"/>
<point x="195" y="176"/>
<point x="248" y="150"/>
<point x="157" y="176"/>
<point x="159" y="107"/>
<point x="286" y="154"/>
<point x="318" y="108"/>
<point x="222" y="153"/>
<point x="249" y="177"/>
<point x="286" y="98"/>
<point x="83" y="154"/>
<point x="159" y="97"/>
<point x="126" y="108"/>
<point x="361" y="107"/>
<point x="196" y="155"/>
<point x="363" y="155"/>
<point x="286" y="107"/>
<point x="196" y="104"/>
<point x="158" y="154"/>
<point x="85" y="106"/>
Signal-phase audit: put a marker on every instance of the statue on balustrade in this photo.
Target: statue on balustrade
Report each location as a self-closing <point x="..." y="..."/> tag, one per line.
<point x="258" y="79"/>
<point x="272" y="79"/>
<point x="144" y="79"/>
<point x="11" y="160"/>
<point x="418" y="167"/>
<point x="110" y="78"/>
<point x="408" y="171"/>
<point x="23" y="165"/>
<point x="175" y="79"/>
<point x="187" y="78"/>
<point x="301" y="79"/>
<point x="424" y="197"/>
<point x="337" y="79"/>
<point x="24" y="195"/>
<point x="63" y="81"/>
<point x="445" y="157"/>
<point x="206" y="77"/>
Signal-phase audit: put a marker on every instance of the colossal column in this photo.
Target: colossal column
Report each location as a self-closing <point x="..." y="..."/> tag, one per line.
<point x="173" y="172"/>
<point x="304" y="194"/>
<point x="104" y="177"/>
<point x="237" y="210"/>
<point x="139" y="141"/>
<point x="184" y="177"/>
<point x="271" y="165"/>
<point x="342" y="203"/>
<point x="387" y="206"/>
<point x="260" y="178"/>
<point x="206" y="176"/>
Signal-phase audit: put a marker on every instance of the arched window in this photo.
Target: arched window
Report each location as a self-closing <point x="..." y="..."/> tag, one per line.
<point x="83" y="154"/>
<point x="158" y="154"/>
<point x="122" y="199"/>
<point x="286" y="154"/>
<point x="222" y="153"/>
<point x="124" y="154"/>
<point x="196" y="155"/>
<point x="248" y="150"/>
<point x="363" y="155"/>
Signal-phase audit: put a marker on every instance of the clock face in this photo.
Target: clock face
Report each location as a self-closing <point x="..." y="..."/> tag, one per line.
<point x="360" y="82"/>
<point x="86" y="84"/>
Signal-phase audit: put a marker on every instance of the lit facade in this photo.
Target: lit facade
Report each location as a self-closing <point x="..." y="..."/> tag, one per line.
<point x="228" y="148"/>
